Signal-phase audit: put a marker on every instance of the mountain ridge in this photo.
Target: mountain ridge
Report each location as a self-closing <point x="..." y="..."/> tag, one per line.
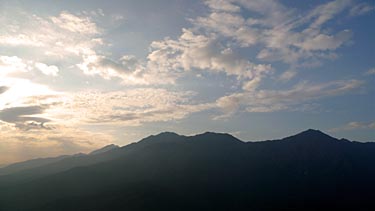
<point x="205" y="171"/>
<point x="167" y="134"/>
<point x="104" y="149"/>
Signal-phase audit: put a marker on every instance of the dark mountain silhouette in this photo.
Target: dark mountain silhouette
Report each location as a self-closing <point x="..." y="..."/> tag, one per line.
<point x="39" y="162"/>
<point x="29" y="164"/>
<point x="104" y="149"/>
<point x="210" y="171"/>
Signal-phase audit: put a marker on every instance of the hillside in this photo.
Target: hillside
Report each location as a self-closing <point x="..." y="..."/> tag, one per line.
<point x="210" y="171"/>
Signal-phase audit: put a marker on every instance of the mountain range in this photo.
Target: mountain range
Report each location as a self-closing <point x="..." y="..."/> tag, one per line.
<point x="211" y="171"/>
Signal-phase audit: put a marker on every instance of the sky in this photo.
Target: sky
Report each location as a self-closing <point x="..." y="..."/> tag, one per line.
<point x="78" y="75"/>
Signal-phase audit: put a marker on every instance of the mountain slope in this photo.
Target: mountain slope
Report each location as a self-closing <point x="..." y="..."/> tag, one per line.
<point x="210" y="171"/>
<point x="38" y="168"/>
<point x="29" y="164"/>
<point x="105" y="149"/>
<point x="40" y="162"/>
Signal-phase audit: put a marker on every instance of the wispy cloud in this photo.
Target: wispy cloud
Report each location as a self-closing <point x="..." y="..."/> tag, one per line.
<point x="370" y="72"/>
<point x="212" y="44"/>
<point x="3" y="89"/>
<point x="75" y="24"/>
<point x="18" y="145"/>
<point x="355" y="126"/>
<point x="361" y="9"/>
<point x="276" y="100"/>
<point x="21" y="115"/>
<point x="254" y="45"/>
<point x="133" y="107"/>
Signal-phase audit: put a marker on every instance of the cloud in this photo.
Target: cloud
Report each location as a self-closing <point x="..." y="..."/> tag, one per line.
<point x="22" y="114"/>
<point x="327" y="11"/>
<point x="12" y="64"/>
<point x="203" y="52"/>
<point x="21" y="91"/>
<point x="73" y="23"/>
<point x="128" y="68"/>
<point x="326" y="42"/>
<point x="72" y="39"/>
<point x="214" y="40"/>
<point x="3" y="89"/>
<point x="18" y="145"/>
<point x="68" y="38"/>
<point x="361" y="9"/>
<point x="287" y="75"/>
<point x="213" y="43"/>
<point x="51" y="70"/>
<point x="133" y="107"/>
<point x="30" y="106"/>
<point x="299" y="95"/>
<point x="355" y="126"/>
<point x="370" y="72"/>
<point x="56" y="35"/>
<point x="223" y="5"/>
<point x="19" y="40"/>
<point x="281" y="36"/>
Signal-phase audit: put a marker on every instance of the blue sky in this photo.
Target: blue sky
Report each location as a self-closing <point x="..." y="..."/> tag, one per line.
<point x="77" y="75"/>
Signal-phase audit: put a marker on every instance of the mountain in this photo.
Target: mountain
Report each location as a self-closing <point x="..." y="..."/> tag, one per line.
<point x="104" y="149"/>
<point x="38" y="168"/>
<point x="40" y="162"/>
<point x="210" y="171"/>
<point x="29" y="164"/>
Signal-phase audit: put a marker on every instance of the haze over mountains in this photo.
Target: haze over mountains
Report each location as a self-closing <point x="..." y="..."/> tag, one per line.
<point x="210" y="171"/>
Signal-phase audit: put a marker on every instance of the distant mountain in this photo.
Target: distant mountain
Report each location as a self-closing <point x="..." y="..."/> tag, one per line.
<point x="37" y="168"/>
<point x="30" y="164"/>
<point x="210" y="171"/>
<point x="34" y="163"/>
<point x="104" y="149"/>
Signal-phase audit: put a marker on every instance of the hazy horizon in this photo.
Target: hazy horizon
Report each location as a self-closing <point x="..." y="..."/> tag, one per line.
<point x="78" y="75"/>
<point x="151" y="135"/>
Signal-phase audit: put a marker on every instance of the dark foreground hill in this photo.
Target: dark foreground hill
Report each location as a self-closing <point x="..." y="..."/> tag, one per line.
<point x="310" y="170"/>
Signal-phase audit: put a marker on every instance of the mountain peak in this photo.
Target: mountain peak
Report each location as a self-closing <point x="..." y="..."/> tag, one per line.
<point x="313" y="132"/>
<point x="162" y="137"/>
<point x="168" y="133"/>
<point x="165" y="137"/>
<point x="104" y="149"/>
<point x="209" y="134"/>
<point x="311" y="135"/>
<point x="217" y="137"/>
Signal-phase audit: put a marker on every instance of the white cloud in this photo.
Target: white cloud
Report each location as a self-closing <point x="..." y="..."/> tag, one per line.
<point x="355" y="126"/>
<point x="52" y="36"/>
<point x="212" y="44"/>
<point x="128" y="68"/>
<point x="289" y="99"/>
<point x="195" y="51"/>
<point x="132" y="107"/>
<point x="73" y="23"/>
<point x="326" y="12"/>
<point x="222" y="5"/>
<point x="370" y="72"/>
<point x="19" y="40"/>
<point x="51" y="70"/>
<point x="287" y="75"/>
<point x="284" y="34"/>
<point x="12" y="64"/>
<point x="326" y="42"/>
<point x="27" y="104"/>
<point x="31" y="106"/>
